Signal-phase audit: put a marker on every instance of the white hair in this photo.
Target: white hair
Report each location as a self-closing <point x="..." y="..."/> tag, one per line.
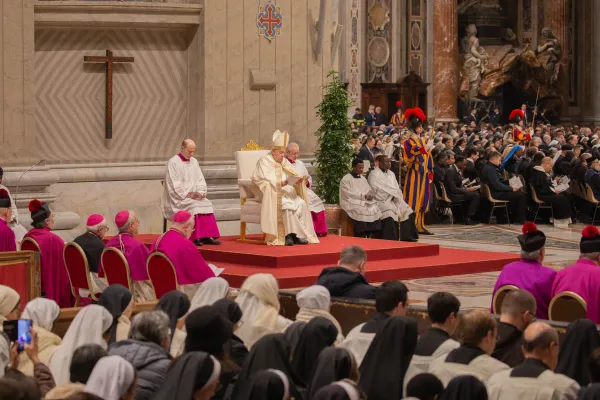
<point x="290" y="146"/>
<point x="96" y="228"/>
<point x="531" y="255"/>
<point x="130" y="220"/>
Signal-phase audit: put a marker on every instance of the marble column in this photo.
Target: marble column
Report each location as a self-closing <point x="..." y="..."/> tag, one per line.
<point x="556" y="17"/>
<point x="445" y="60"/>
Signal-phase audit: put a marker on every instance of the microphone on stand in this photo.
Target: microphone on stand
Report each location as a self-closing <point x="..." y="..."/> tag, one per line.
<point x="23" y="174"/>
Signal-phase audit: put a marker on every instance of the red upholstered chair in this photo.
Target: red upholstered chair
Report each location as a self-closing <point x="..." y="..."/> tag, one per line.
<point x="116" y="268"/>
<point x="29" y="244"/>
<point x="161" y="273"/>
<point x="78" y="270"/>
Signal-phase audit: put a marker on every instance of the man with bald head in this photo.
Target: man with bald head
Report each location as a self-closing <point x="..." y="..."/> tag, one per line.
<point x="535" y="377"/>
<point x="539" y="179"/>
<point x="315" y="204"/>
<point x="185" y="189"/>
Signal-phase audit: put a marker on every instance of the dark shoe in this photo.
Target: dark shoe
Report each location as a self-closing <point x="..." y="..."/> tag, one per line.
<point x="426" y="232"/>
<point x="469" y="221"/>
<point x="410" y="240"/>
<point x="210" y="241"/>
<point x="289" y="240"/>
<point x="198" y="242"/>
<point x="298" y="240"/>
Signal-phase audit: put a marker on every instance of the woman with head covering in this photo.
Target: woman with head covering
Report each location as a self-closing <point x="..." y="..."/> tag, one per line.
<point x="333" y="364"/>
<point x="465" y="387"/>
<point x="209" y="331"/>
<point x="176" y="305"/>
<point x="88" y="327"/>
<point x="292" y="333"/>
<point x="425" y="387"/>
<point x="384" y="366"/>
<point x="342" y="390"/>
<point x="9" y="304"/>
<point x="210" y="290"/>
<point x="193" y="376"/>
<point x="573" y="359"/>
<point x="270" y="352"/>
<point x="259" y="302"/>
<point x="319" y="334"/>
<point x="118" y="300"/>
<point x="113" y="378"/>
<point x="315" y="301"/>
<point x="268" y="385"/>
<point x="232" y="311"/>
<point x="42" y="312"/>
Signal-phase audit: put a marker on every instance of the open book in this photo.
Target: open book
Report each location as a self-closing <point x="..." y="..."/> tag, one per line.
<point x="292" y="180"/>
<point x="515" y="182"/>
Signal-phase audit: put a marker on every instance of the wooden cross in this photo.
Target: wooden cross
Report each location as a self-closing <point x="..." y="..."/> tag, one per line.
<point x="108" y="60"/>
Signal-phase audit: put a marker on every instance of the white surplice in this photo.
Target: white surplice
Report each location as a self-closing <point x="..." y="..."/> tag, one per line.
<point x="420" y="364"/>
<point x="284" y="209"/>
<point x="352" y="199"/>
<point x="182" y="178"/>
<point x="315" y="204"/>
<point x="548" y="385"/>
<point x="18" y="229"/>
<point x="388" y="195"/>
<point x="482" y="368"/>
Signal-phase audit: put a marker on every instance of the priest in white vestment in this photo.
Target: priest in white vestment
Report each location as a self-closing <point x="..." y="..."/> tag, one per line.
<point x="284" y="213"/>
<point x="18" y="229"/>
<point x="185" y="190"/>
<point x="396" y="215"/>
<point x="357" y="198"/>
<point x="315" y="204"/>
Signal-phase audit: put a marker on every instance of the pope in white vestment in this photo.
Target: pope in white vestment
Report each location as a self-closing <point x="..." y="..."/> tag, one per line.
<point x="284" y="215"/>
<point x="390" y="200"/>
<point x="357" y="198"/>
<point x="185" y="190"/>
<point x="315" y="204"/>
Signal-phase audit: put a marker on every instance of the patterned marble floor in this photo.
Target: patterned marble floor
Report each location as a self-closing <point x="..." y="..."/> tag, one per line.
<point x="474" y="290"/>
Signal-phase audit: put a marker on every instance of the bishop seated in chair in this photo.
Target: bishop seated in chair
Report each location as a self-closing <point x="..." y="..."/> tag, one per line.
<point x="185" y="189"/>
<point x="284" y="215"/>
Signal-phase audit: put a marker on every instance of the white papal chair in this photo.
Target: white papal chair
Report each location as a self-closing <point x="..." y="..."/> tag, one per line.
<point x="250" y="194"/>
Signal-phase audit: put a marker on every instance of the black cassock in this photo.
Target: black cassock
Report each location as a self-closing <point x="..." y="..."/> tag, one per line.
<point x="561" y="205"/>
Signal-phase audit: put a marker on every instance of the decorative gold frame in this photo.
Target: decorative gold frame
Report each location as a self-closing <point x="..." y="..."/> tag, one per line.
<point x="120" y="254"/>
<point x="502" y="290"/>
<point x="251" y="146"/>
<point x="568" y="294"/>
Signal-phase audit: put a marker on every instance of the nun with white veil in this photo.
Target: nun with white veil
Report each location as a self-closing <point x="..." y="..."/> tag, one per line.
<point x="315" y="301"/>
<point x="113" y="378"/>
<point x="210" y="290"/>
<point x="9" y="304"/>
<point x="259" y="302"/>
<point x="42" y="312"/>
<point x="89" y="327"/>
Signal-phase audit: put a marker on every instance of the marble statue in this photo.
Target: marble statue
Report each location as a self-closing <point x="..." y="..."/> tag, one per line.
<point x="475" y="59"/>
<point x="549" y="53"/>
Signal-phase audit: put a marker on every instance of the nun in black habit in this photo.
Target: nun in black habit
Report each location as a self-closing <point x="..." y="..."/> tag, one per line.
<point x="269" y="352"/>
<point x="591" y="392"/>
<point x="318" y="334"/>
<point x="117" y="299"/>
<point x="192" y="376"/>
<point x="384" y="366"/>
<point x="333" y="364"/>
<point x="176" y="305"/>
<point x="342" y="390"/>
<point x="573" y="359"/>
<point x="465" y="387"/>
<point x="292" y="333"/>
<point x="268" y="385"/>
<point x="232" y="311"/>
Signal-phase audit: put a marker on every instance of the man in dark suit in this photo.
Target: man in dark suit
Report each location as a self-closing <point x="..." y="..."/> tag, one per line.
<point x="380" y="117"/>
<point x="470" y="171"/>
<point x="472" y="117"/>
<point x="556" y="167"/>
<point x="495" y="117"/>
<point x="439" y="169"/>
<point x="457" y="192"/>
<point x="91" y="241"/>
<point x="500" y="189"/>
<point x="366" y="153"/>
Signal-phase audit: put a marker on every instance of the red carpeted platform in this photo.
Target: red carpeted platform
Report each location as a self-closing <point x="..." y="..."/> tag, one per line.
<point x="299" y="266"/>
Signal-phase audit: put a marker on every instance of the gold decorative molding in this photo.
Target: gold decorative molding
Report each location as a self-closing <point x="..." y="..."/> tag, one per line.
<point x="251" y="146"/>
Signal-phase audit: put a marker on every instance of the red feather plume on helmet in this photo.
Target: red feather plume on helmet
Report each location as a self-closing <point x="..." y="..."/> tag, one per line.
<point x="3" y="193"/>
<point x="589" y="232"/>
<point x="516" y="113"/>
<point x="529" y="227"/>
<point x="399" y="104"/>
<point x="34" y="205"/>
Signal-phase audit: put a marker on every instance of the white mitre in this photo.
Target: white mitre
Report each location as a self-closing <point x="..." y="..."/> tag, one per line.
<point x="280" y="140"/>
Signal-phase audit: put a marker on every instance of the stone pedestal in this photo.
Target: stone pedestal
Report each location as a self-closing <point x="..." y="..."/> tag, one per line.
<point x="556" y="17"/>
<point x="445" y="60"/>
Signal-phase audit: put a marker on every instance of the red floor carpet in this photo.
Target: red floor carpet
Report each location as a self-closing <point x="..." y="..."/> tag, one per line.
<point x="299" y="266"/>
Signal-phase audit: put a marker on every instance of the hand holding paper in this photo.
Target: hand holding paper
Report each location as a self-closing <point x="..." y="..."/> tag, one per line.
<point x="292" y="180"/>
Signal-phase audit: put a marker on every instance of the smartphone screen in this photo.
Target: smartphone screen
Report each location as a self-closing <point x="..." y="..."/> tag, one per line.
<point x="10" y="328"/>
<point x="24" y="332"/>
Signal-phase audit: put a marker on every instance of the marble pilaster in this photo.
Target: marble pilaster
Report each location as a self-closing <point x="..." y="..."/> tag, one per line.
<point x="445" y="60"/>
<point x="556" y="17"/>
<point x="595" y="55"/>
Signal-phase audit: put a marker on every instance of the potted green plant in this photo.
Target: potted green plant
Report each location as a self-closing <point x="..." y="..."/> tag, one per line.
<point x="334" y="154"/>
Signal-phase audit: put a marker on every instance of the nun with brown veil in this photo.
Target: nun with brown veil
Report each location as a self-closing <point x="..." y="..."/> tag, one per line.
<point x="384" y="366"/>
<point x="272" y="351"/>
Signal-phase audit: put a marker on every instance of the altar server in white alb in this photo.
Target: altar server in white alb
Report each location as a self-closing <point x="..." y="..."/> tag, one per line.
<point x="395" y="213"/>
<point x="284" y="215"/>
<point x="185" y="189"/>
<point x="317" y="209"/>
<point x="357" y="198"/>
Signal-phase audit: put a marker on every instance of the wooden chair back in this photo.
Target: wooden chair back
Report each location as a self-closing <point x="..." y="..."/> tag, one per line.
<point x="589" y="195"/>
<point x="29" y="244"/>
<point x="567" y="307"/>
<point x="534" y="196"/>
<point x="485" y="190"/>
<point x="444" y="194"/>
